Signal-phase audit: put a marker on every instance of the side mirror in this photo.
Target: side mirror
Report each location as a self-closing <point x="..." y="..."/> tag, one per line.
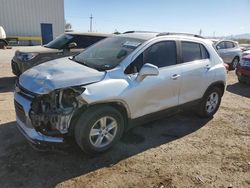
<point x="147" y="70"/>
<point x="217" y="47"/>
<point x="72" y="45"/>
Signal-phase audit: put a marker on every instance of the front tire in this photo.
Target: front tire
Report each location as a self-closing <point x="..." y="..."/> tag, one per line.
<point x="98" y="129"/>
<point x="210" y="103"/>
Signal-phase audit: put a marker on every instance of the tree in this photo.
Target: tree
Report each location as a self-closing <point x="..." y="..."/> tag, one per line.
<point x="68" y="27"/>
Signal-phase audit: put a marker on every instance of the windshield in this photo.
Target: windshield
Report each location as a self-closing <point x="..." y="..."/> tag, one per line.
<point x="59" y="42"/>
<point x="108" y="53"/>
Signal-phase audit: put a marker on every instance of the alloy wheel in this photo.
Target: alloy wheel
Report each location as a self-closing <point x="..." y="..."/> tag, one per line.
<point x="103" y="132"/>
<point x="212" y="102"/>
<point x="235" y="63"/>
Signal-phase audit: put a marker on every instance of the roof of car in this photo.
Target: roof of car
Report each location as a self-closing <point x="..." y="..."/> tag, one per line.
<point x="227" y="40"/>
<point x="90" y="34"/>
<point x="222" y="40"/>
<point x="147" y="35"/>
<point x="247" y="57"/>
<point x="140" y="35"/>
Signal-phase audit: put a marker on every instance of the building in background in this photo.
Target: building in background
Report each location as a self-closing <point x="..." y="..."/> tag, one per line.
<point x="31" y="22"/>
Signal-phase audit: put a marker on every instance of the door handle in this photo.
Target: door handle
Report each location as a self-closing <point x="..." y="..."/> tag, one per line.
<point x="175" y="76"/>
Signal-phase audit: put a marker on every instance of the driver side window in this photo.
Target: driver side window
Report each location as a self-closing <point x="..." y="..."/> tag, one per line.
<point x="160" y="54"/>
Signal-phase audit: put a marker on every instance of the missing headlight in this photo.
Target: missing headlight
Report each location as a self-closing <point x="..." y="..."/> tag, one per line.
<point x="53" y="112"/>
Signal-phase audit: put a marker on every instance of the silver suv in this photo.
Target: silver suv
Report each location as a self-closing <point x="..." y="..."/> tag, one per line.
<point x="229" y="51"/>
<point x="118" y="82"/>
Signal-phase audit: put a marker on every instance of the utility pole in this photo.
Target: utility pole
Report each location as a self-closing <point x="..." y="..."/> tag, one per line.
<point x="90" y="26"/>
<point x="200" y="32"/>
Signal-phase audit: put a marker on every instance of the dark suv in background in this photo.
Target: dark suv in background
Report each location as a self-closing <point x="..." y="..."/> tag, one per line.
<point x="66" y="44"/>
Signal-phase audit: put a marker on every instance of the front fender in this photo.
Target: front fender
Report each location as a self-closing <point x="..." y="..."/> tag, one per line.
<point x="107" y="91"/>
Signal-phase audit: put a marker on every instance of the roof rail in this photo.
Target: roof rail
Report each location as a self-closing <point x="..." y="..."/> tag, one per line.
<point x="186" y="34"/>
<point x="139" y="32"/>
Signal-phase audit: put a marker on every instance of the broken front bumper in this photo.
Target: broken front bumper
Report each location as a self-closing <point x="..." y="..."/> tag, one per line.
<point x="22" y="107"/>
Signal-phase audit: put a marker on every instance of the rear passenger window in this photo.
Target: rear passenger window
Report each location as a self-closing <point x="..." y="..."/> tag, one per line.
<point x="229" y="44"/>
<point x="193" y="51"/>
<point x="190" y="51"/>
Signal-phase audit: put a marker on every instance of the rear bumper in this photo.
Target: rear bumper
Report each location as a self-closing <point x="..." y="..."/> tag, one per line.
<point x="244" y="78"/>
<point x="243" y="74"/>
<point x="22" y="107"/>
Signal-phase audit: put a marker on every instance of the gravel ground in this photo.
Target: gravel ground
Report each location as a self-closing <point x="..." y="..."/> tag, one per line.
<point x="180" y="151"/>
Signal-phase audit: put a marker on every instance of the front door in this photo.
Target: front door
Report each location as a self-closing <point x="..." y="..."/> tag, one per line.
<point x="155" y="93"/>
<point x="46" y="32"/>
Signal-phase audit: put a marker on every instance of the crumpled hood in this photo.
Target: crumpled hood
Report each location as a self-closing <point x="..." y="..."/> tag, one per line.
<point x="59" y="73"/>
<point x="37" y="49"/>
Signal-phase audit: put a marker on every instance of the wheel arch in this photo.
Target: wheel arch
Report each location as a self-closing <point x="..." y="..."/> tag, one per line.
<point x="118" y="105"/>
<point x="237" y="56"/>
<point x="219" y="84"/>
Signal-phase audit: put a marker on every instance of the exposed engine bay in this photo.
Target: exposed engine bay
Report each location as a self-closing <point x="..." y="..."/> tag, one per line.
<point x="51" y="113"/>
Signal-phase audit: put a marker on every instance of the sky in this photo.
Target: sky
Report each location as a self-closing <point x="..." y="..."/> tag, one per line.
<point x="212" y="17"/>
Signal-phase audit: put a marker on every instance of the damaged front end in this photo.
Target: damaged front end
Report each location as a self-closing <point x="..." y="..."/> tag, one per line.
<point x="51" y="113"/>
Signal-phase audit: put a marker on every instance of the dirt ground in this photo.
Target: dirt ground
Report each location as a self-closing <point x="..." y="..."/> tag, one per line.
<point x="180" y="151"/>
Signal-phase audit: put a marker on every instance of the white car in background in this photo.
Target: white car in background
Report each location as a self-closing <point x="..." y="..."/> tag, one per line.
<point x="229" y="51"/>
<point x="3" y="41"/>
<point x="246" y="52"/>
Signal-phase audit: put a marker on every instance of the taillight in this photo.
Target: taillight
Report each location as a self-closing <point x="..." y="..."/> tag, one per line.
<point x="226" y="67"/>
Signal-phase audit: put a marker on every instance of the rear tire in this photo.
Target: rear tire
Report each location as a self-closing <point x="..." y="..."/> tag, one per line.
<point x="234" y="63"/>
<point x="210" y="103"/>
<point x="98" y="129"/>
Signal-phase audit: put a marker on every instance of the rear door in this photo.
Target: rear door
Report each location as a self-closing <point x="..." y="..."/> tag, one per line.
<point x="227" y="50"/>
<point x="231" y="51"/>
<point x="155" y="93"/>
<point x="196" y="71"/>
<point x="221" y="48"/>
